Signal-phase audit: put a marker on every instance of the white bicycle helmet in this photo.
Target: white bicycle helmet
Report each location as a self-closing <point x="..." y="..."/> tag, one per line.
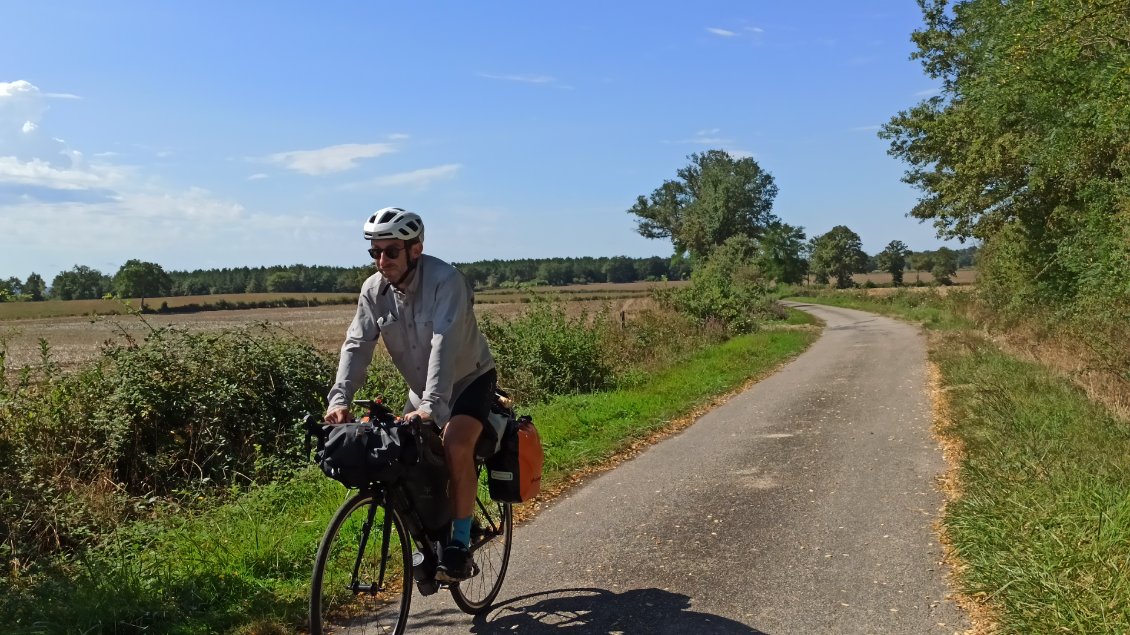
<point x="394" y="222"/>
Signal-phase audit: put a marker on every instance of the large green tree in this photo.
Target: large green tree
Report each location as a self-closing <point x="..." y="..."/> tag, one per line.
<point x="139" y="279"/>
<point x="944" y="265"/>
<point x="780" y="253"/>
<point x="80" y="283"/>
<point x="893" y="259"/>
<point x="838" y="254"/>
<point x="10" y="289"/>
<point x="284" y="282"/>
<point x="35" y="288"/>
<point x="714" y="198"/>
<point x="1025" y="148"/>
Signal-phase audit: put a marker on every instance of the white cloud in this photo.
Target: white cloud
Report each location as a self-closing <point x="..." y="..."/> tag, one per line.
<point x="872" y="128"/>
<point x="126" y="212"/>
<point x="18" y="87"/>
<point x="398" y="136"/>
<point x="720" y="32"/>
<point x="22" y="105"/>
<point x="527" y="79"/>
<point x="708" y="137"/>
<point x="21" y="108"/>
<point x="754" y="29"/>
<point x="741" y="154"/>
<point x="183" y="229"/>
<point x="40" y="173"/>
<point x="257" y="177"/>
<point x="929" y="92"/>
<point x="415" y="178"/>
<point x="337" y="158"/>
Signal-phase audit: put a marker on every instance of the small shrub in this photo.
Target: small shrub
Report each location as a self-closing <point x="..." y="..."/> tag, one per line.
<point x="727" y="288"/>
<point x="544" y="352"/>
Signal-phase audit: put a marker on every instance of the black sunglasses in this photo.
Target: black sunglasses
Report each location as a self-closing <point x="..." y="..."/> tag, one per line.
<point x="392" y="251"/>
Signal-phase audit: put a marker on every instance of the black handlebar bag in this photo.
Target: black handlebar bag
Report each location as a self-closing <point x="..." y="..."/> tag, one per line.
<point x="359" y="454"/>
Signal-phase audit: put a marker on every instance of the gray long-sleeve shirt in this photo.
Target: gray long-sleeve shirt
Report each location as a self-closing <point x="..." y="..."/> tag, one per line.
<point x="430" y="332"/>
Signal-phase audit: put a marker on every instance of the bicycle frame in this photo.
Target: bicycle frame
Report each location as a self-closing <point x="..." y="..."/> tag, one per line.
<point x="410" y="505"/>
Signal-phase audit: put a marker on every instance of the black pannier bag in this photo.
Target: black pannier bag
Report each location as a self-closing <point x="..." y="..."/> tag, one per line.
<point x="426" y="481"/>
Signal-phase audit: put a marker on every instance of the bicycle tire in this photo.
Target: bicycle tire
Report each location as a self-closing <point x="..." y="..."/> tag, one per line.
<point x="493" y="524"/>
<point x="337" y="608"/>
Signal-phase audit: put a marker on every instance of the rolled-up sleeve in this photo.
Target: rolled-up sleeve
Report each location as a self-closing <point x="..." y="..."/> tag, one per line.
<point x="356" y="351"/>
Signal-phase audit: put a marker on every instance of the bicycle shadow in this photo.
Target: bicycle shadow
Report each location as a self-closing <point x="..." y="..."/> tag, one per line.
<point x="591" y="610"/>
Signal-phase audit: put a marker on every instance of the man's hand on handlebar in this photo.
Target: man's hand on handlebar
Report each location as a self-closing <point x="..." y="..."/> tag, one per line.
<point x="339" y="414"/>
<point x="421" y="415"/>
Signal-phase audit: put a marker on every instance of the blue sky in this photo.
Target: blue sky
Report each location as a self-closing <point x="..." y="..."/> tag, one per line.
<point x="209" y="134"/>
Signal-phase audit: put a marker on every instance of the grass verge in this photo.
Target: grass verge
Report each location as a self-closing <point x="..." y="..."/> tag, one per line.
<point x="1039" y="520"/>
<point x="1042" y="521"/>
<point x="245" y="567"/>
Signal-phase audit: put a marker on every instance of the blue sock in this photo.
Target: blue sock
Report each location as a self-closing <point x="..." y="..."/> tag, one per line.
<point x="461" y="531"/>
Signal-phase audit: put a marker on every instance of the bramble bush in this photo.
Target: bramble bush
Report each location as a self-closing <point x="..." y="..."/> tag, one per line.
<point x="173" y="415"/>
<point x="544" y="352"/>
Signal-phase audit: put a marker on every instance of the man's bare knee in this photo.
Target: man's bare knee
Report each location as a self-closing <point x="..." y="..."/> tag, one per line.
<point x="461" y="433"/>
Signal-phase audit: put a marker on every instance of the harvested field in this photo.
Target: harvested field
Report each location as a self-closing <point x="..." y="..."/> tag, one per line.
<point x="64" y="308"/>
<point x="74" y="339"/>
<point x="963" y="277"/>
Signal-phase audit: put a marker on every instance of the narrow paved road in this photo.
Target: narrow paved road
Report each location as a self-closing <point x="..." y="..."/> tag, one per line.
<point x="804" y="505"/>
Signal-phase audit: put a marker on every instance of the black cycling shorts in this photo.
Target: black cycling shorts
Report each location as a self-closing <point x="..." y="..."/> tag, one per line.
<point x="477" y="398"/>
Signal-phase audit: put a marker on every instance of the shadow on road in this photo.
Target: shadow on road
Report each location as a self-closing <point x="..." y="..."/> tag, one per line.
<point x="586" y="610"/>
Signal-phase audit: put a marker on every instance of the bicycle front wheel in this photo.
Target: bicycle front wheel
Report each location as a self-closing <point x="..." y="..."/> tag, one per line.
<point x="492" y="529"/>
<point x="362" y="582"/>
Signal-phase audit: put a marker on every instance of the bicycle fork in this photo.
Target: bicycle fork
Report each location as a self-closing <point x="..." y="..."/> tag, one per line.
<point x="386" y="537"/>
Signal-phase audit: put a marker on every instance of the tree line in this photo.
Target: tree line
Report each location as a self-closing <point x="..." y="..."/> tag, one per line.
<point x="138" y="279"/>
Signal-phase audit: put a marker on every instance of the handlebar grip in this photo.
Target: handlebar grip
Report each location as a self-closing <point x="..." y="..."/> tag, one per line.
<point x="414" y="422"/>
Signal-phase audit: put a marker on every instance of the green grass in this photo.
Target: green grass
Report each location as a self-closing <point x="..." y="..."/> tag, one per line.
<point x="1044" y="520"/>
<point x="245" y="567"/>
<point x="242" y="567"/>
<point x="1042" y="524"/>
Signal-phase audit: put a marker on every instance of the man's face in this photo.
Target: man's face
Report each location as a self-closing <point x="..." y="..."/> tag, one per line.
<point x="392" y="268"/>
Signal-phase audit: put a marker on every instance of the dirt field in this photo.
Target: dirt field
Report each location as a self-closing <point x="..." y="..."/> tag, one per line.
<point x="73" y="339"/>
<point x="964" y="276"/>
<point x="65" y="308"/>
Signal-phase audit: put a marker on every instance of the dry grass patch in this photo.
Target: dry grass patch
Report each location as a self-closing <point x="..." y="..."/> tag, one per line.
<point x="982" y="617"/>
<point x="1073" y="360"/>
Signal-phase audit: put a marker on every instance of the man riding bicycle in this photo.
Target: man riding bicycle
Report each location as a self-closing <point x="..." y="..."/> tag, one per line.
<point x="423" y="308"/>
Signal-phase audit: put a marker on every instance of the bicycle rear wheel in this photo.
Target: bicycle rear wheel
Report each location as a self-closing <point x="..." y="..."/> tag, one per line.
<point x="362" y="582"/>
<point x="492" y="530"/>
